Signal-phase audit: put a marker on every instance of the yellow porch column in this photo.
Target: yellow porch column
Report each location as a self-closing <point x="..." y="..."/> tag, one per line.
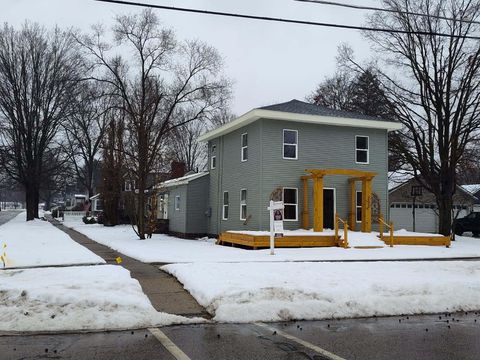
<point x="318" y="203"/>
<point x="353" y="203"/>
<point x="366" y="204"/>
<point x="305" y="214"/>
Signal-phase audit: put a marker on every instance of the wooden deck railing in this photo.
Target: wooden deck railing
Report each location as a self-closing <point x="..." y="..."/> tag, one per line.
<point x="343" y="243"/>
<point x="382" y="223"/>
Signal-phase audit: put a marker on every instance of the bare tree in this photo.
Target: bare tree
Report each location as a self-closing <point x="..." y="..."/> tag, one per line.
<point x="39" y="70"/>
<point x="437" y="94"/>
<point x="163" y="78"/>
<point x="84" y="131"/>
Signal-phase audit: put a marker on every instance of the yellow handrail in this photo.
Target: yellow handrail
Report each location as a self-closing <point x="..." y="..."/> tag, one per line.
<point x="381" y="223"/>
<point x="345" y="230"/>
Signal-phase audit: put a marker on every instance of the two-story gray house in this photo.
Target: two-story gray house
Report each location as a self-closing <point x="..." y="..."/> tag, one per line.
<point x="267" y="152"/>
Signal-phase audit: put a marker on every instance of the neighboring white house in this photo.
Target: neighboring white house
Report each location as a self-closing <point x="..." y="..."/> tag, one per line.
<point x="426" y="214"/>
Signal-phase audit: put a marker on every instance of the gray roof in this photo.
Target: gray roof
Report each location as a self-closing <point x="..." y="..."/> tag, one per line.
<point x="300" y="107"/>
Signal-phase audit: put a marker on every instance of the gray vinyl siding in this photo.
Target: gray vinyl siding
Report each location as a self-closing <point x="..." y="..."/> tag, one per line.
<point x="177" y="219"/>
<point x="197" y="195"/>
<point x="319" y="147"/>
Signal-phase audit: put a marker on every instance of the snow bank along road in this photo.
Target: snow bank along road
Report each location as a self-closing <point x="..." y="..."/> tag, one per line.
<point x="251" y="292"/>
<point x="45" y="298"/>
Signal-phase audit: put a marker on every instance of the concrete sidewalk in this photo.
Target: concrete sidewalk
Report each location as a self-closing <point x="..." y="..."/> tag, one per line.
<point x="164" y="291"/>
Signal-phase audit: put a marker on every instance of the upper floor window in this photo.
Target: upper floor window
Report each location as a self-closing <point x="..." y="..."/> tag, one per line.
<point x="290" y="203"/>
<point x="213" y="157"/>
<point x="244" y="151"/>
<point x="243" y="204"/>
<point x="290" y="144"/>
<point x="225" y="206"/>
<point x="361" y="149"/>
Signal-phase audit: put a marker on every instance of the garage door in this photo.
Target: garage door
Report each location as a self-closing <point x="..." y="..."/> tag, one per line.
<point x="426" y="219"/>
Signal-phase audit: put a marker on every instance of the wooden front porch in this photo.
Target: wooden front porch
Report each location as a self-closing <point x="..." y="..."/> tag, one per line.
<point x="263" y="241"/>
<point x="416" y="240"/>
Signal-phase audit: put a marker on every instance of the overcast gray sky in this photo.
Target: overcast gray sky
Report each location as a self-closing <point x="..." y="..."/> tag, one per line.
<point x="269" y="62"/>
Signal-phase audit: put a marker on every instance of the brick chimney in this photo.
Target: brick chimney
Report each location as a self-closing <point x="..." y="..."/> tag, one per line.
<point x="177" y="169"/>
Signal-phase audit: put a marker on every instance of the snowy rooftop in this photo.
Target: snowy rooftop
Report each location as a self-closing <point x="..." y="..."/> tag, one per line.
<point x="182" y="180"/>
<point x="396" y="178"/>
<point x="472" y="188"/>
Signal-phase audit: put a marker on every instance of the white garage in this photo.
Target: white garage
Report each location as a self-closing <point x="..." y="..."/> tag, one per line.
<point x="426" y="217"/>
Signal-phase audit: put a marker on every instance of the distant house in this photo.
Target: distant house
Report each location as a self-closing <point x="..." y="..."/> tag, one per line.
<point x="473" y="189"/>
<point x="426" y="213"/>
<point x="317" y="160"/>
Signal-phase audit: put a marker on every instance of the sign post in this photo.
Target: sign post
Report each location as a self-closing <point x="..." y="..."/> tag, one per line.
<point x="276" y="222"/>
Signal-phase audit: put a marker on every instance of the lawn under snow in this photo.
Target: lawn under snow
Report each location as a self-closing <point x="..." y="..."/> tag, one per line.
<point x="76" y="298"/>
<point x="39" y="243"/>
<point x="169" y="249"/>
<point x="313" y="290"/>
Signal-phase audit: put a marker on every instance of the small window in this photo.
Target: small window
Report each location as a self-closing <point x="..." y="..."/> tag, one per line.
<point x="177" y="202"/>
<point x="361" y="150"/>
<point x="290" y="203"/>
<point x="243" y="204"/>
<point x="290" y="144"/>
<point x="225" y="206"/>
<point x="213" y="157"/>
<point x="244" y="151"/>
<point x="358" y="206"/>
<point x="129" y="185"/>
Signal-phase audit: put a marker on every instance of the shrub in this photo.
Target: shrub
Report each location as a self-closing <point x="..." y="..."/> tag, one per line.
<point x="89" y="220"/>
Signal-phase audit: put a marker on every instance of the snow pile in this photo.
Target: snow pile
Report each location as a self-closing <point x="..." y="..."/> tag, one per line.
<point x="39" y="243"/>
<point x="169" y="249"/>
<point x="76" y="298"/>
<point x="288" y="291"/>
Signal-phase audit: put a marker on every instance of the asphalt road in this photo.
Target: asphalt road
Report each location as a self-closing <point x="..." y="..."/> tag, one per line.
<point x="7" y="215"/>
<point x="413" y="337"/>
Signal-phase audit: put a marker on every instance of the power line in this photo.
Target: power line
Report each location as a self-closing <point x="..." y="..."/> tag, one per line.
<point x="289" y="21"/>
<point x="363" y="7"/>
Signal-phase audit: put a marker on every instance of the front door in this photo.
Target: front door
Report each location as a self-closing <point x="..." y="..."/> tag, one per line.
<point x="328" y="208"/>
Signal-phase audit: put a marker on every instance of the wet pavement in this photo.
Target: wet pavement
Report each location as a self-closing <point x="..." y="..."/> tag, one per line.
<point x="412" y="337"/>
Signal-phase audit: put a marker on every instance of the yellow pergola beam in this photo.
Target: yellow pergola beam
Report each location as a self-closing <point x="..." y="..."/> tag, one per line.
<point x="366" y="205"/>
<point x="347" y="172"/>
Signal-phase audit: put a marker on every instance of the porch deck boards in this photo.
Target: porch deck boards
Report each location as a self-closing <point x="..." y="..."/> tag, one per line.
<point x="418" y="240"/>
<point x="263" y="241"/>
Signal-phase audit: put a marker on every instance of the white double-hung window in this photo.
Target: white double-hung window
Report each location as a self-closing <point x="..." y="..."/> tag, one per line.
<point x="361" y="149"/>
<point x="213" y="157"/>
<point x="290" y="144"/>
<point x="290" y="203"/>
<point x="177" y="203"/>
<point x="225" y="206"/>
<point x="244" y="150"/>
<point x="243" y="204"/>
<point x="358" y="206"/>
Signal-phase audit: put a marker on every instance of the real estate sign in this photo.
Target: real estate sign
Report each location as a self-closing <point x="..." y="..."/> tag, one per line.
<point x="276" y="222"/>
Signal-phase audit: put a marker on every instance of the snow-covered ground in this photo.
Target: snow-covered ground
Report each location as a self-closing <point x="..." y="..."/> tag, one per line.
<point x="39" y="243"/>
<point x="168" y="249"/>
<point x="306" y="290"/>
<point x="76" y="298"/>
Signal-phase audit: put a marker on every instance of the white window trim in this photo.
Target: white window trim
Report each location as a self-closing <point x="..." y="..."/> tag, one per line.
<point x="225" y="205"/>
<point x="296" y="205"/>
<point x="367" y="150"/>
<point x="283" y="145"/>
<point x="357" y="206"/>
<point x="243" y="147"/>
<point x="177" y="202"/>
<point x="241" y="204"/>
